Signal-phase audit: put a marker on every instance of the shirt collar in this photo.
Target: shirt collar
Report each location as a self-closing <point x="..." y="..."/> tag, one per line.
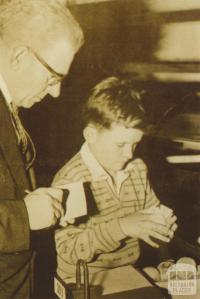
<point x="95" y="168"/>
<point x="5" y="91"/>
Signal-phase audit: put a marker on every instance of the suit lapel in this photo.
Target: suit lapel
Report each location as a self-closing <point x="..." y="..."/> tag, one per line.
<point x="10" y="148"/>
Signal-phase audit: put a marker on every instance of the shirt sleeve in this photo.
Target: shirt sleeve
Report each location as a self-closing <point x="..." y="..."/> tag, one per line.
<point x="150" y="199"/>
<point x="86" y="242"/>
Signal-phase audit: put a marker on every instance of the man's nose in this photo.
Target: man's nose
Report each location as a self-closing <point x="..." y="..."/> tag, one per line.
<point x="128" y="152"/>
<point x="54" y="90"/>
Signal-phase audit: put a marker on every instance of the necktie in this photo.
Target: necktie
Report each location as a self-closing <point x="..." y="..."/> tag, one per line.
<point x="25" y="142"/>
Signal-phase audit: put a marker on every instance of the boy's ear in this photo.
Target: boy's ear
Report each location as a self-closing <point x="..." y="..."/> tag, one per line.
<point x="90" y="134"/>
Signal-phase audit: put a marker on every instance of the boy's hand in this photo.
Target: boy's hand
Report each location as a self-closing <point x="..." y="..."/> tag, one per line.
<point x="171" y="223"/>
<point x="44" y="206"/>
<point x="163" y="215"/>
<point x="143" y="225"/>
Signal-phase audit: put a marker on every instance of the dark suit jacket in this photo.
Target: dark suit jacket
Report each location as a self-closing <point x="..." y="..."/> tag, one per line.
<point x="15" y="256"/>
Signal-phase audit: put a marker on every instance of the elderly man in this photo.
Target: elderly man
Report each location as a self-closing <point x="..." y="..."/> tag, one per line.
<point x="38" y="41"/>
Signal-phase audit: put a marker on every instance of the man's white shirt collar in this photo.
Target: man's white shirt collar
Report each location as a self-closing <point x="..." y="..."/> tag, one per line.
<point x="92" y="164"/>
<point x="5" y="91"/>
<point x="8" y="100"/>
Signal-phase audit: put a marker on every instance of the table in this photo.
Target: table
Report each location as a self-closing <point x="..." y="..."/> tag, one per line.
<point x="143" y="293"/>
<point x="120" y="283"/>
<point x="126" y="283"/>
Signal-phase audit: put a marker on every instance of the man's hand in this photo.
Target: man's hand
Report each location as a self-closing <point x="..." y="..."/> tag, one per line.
<point x="143" y="225"/>
<point x="44" y="206"/>
<point x="170" y="222"/>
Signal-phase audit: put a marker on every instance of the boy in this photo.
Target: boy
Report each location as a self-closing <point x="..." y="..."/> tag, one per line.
<point x="114" y="124"/>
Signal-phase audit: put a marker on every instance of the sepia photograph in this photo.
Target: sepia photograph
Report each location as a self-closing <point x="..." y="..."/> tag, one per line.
<point x="99" y="149"/>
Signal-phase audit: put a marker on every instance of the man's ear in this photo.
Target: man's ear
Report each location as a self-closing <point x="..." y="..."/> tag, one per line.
<point x="18" y="55"/>
<point x="90" y="134"/>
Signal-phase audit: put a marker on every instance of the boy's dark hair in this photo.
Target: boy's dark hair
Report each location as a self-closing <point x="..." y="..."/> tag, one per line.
<point x="114" y="100"/>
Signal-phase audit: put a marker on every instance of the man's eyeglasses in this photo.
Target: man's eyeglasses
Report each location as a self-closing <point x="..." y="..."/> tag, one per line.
<point x="56" y="77"/>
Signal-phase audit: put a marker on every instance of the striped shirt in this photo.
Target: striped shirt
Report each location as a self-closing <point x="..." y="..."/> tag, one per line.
<point x="99" y="239"/>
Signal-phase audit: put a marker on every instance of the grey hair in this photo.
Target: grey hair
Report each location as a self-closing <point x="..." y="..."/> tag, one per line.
<point x="32" y="22"/>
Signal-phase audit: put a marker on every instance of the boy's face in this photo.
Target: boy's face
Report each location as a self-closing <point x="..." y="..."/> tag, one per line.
<point x="114" y="147"/>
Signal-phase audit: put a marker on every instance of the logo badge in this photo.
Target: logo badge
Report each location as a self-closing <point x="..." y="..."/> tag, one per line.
<point x="182" y="279"/>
